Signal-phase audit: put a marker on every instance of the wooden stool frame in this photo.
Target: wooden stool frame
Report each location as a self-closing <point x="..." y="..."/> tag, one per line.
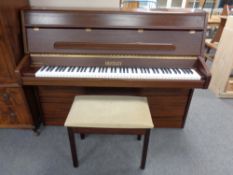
<point x="83" y="131"/>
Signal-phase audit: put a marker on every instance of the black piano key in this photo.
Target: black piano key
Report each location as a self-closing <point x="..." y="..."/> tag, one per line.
<point x="169" y="71"/>
<point x="141" y="70"/>
<point x="150" y="71"/>
<point x="144" y="69"/>
<point x="187" y="70"/>
<point x="127" y="70"/>
<point x="106" y="70"/>
<point x="84" y="69"/>
<point x="132" y="70"/>
<point x="90" y="70"/>
<point x="162" y="70"/>
<point x="47" y="69"/>
<point x="69" y="69"/>
<point x="174" y="70"/>
<point x="43" y="68"/>
<point x="60" y="69"/>
<point x="178" y="71"/>
<point x="52" y="68"/>
<point x="78" y="69"/>
<point x="190" y="71"/>
<point x="153" y="69"/>
<point x="184" y="71"/>
<point x="63" y="68"/>
<point x="94" y="68"/>
<point x="135" y="70"/>
<point x="72" y="69"/>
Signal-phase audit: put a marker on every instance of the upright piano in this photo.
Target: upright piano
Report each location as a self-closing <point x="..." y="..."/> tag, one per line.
<point x="156" y="53"/>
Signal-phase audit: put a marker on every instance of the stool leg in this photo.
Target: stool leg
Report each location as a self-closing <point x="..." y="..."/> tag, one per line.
<point x="73" y="147"/>
<point x="82" y="136"/>
<point x="139" y="137"/>
<point x="145" y="148"/>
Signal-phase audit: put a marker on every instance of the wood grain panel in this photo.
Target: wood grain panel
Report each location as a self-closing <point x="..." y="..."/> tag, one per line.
<point x="13" y="108"/>
<point x="108" y="41"/>
<point x="115" y="18"/>
<point x="167" y="105"/>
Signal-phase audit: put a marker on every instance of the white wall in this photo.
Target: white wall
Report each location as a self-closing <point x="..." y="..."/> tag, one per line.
<point x="76" y="3"/>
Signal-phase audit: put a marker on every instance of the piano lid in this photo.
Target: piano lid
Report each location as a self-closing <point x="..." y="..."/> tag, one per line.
<point x="88" y="31"/>
<point x="115" y="18"/>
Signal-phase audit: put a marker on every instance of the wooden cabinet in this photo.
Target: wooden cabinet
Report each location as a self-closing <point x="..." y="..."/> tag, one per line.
<point x="6" y="68"/>
<point x="14" y="109"/>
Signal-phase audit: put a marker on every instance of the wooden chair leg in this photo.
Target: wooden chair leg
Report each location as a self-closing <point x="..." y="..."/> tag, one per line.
<point x="73" y="147"/>
<point x="139" y="137"/>
<point x="145" y="148"/>
<point x="82" y="136"/>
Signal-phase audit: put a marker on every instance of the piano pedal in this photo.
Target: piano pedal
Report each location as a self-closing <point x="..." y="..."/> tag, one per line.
<point x="82" y="136"/>
<point x="139" y="137"/>
<point x="38" y="129"/>
<point x="36" y="132"/>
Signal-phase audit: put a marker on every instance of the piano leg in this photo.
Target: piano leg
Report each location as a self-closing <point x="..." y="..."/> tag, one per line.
<point x="82" y="136"/>
<point x="187" y="106"/>
<point x="35" y="108"/>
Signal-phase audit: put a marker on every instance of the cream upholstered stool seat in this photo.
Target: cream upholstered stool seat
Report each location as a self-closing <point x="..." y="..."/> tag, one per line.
<point x="109" y="115"/>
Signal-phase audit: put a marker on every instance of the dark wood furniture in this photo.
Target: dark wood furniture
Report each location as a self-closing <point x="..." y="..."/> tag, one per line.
<point x="82" y="37"/>
<point x="109" y="115"/>
<point x="14" y="109"/>
<point x="139" y="132"/>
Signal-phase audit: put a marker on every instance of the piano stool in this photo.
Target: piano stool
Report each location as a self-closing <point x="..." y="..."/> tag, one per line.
<point x="98" y="114"/>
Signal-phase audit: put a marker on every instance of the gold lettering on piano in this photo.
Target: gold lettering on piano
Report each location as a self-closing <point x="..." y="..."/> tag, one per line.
<point x="140" y="30"/>
<point x="192" y="31"/>
<point x="113" y="63"/>
<point x="88" y="29"/>
<point x="36" y="29"/>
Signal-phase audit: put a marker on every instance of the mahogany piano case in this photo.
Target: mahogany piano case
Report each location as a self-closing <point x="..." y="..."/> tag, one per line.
<point x="114" y="38"/>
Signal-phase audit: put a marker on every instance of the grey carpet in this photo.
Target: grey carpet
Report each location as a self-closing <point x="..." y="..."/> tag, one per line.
<point x="203" y="147"/>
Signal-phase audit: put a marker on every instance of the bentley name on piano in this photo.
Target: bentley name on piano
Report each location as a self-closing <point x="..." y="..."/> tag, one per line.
<point x="113" y="63"/>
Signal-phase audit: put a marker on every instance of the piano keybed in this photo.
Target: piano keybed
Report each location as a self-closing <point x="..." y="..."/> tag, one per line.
<point x="118" y="73"/>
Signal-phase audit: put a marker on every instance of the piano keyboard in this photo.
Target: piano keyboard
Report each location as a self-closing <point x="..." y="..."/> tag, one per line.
<point x="118" y="73"/>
